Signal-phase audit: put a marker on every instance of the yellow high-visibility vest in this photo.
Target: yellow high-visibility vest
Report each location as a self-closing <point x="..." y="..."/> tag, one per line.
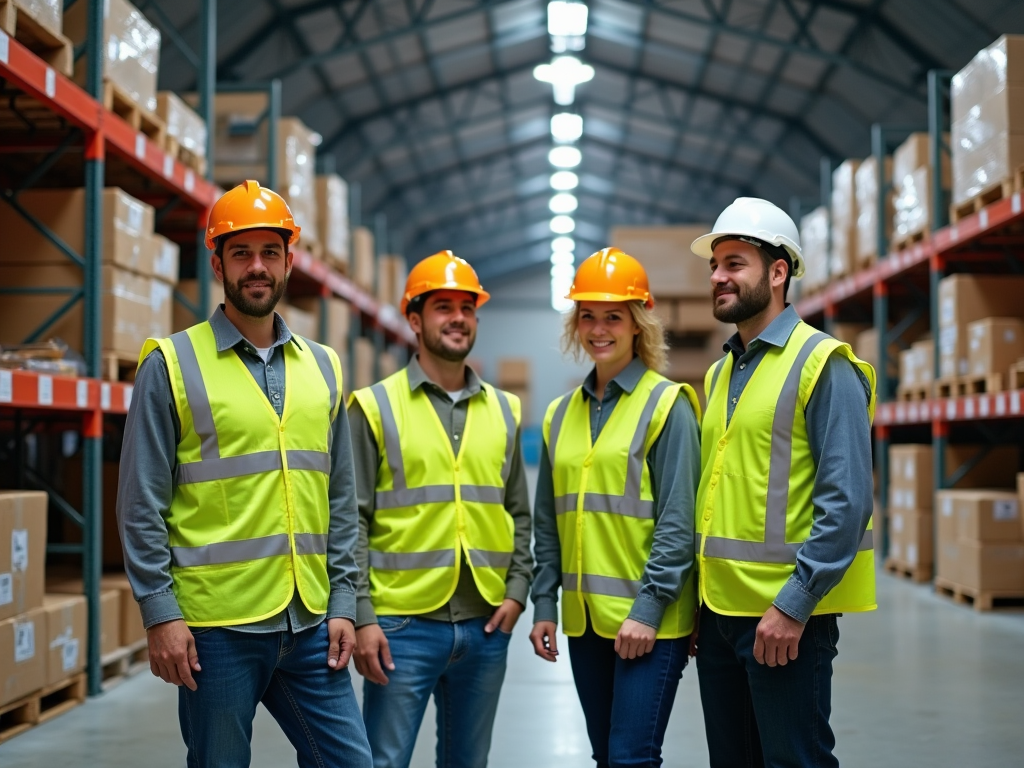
<point x="433" y="507"/>
<point x="605" y="504"/>
<point x="249" y="517"/>
<point x="754" y="506"/>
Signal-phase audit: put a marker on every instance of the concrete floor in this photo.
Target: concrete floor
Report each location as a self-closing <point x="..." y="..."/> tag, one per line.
<point x="920" y="682"/>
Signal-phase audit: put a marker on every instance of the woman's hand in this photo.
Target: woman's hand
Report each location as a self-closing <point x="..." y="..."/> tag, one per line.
<point x="543" y="638"/>
<point x="634" y="639"/>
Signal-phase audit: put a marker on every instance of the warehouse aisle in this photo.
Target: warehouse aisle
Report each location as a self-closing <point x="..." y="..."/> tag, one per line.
<point x="921" y="682"/>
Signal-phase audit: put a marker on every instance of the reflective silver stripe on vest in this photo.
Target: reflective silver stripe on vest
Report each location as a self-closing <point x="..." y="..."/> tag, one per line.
<point x="311" y="543"/>
<point x="411" y="561"/>
<point x="601" y="585"/>
<point x="250" y="464"/>
<point x="435" y="494"/>
<point x="392" y="445"/>
<point x="510" y="438"/>
<point x="556" y="425"/>
<point x="756" y="552"/>
<point x="483" y="558"/>
<point x="635" y="466"/>
<point x="231" y="551"/>
<point x="323" y="361"/>
<point x="714" y="376"/>
<point x="605" y="502"/>
<point x="195" y="394"/>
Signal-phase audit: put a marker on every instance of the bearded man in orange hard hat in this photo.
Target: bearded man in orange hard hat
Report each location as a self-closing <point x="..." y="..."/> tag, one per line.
<point x="237" y="510"/>
<point x="444" y="517"/>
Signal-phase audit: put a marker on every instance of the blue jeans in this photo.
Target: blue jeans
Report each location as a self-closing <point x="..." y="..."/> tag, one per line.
<point x="756" y="715"/>
<point x="461" y="665"/>
<point x="314" y="705"/>
<point x="626" y="702"/>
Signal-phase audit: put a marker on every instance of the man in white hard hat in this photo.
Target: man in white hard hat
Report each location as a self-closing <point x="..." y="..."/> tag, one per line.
<point x="783" y="513"/>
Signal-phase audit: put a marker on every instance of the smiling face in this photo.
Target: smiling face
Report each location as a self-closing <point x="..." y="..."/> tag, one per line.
<point x="446" y="324"/>
<point x="742" y="283"/>
<point x="253" y="266"/>
<point x="606" y="331"/>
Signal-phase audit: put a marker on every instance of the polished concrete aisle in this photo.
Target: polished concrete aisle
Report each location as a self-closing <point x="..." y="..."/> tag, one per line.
<point x="921" y="682"/>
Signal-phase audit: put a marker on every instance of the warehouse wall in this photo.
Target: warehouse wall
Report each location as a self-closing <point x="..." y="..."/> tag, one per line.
<point x="518" y="321"/>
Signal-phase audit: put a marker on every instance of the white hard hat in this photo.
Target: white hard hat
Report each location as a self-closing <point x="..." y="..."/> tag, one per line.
<point x="758" y="219"/>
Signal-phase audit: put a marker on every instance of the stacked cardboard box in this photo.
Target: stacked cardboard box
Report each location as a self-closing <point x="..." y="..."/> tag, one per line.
<point x="979" y="540"/>
<point x="338" y="323"/>
<point x="514" y="378"/>
<point x="391" y="274"/>
<point x="912" y="188"/>
<point x="185" y="127"/>
<point x="987" y="105"/>
<point x="139" y="269"/>
<point x="993" y="345"/>
<point x="332" y="219"/>
<point x="964" y="299"/>
<point x="299" y="321"/>
<point x="131" y="47"/>
<point x="121" y="616"/>
<point x="66" y="636"/>
<point x="364" y="260"/>
<point x="49" y="14"/>
<point x="181" y="317"/>
<point x="844" y="219"/>
<point x="867" y="191"/>
<point x="917" y="368"/>
<point x="814" y="228"/>
<point x="387" y="363"/>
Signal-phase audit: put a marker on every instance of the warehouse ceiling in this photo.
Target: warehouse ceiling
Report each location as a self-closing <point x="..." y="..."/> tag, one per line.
<point x="433" y="107"/>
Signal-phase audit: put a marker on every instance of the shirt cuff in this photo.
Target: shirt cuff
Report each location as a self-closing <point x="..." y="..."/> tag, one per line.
<point x="341" y="605"/>
<point x="518" y="589"/>
<point x="364" y="612"/>
<point x="647" y="611"/>
<point x="159" y="608"/>
<point x="795" y="601"/>
<point x="545" y="609"/>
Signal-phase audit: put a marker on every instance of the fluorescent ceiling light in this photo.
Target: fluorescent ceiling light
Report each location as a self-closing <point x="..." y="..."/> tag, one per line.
<point x="563" y="202"/>
<point x="563" y="245"/>
<point x="563" y="257"/>
<point x="565" y="157"/>
<point x="562" y="225"/>
<point x="563" y="272"/>
<point x="566" y="18"/>
<point x="563" y="181"/>
<point x="564" y="73"/>
<point x="566" y="126"/>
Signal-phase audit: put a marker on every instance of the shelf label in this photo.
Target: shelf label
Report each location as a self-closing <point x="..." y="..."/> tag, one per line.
<point x="969" y="408"/>
<point x="983" y="406"/>
<point x="24" y="641"/>
<point x="69" y="655"/>
<point x="6" y="589"/>
<point x="1015" y="402"/>
<point x="1015" y="203"/>
<point x="45" y="389"/>
<point x="190" y="181"/>
<point x="983" y="218"/>
<point x="950" y="410"/>
<point x="19" y="550"/>
<point x="1001" y="404"/>
<point x="128" y="397"/>
<point x="6" y="386"/>
<point x="81" y="393"/>
<point x="105" y="397"/>
<point x="168" y="166"/>
<point x="51" y="82"/>
<point x="140" y="146"/>
<point x="5" y="48"/>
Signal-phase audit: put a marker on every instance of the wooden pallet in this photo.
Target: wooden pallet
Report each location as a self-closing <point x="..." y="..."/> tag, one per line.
<point x="52" y="47"/>
<point x="900" y="243"/>
<point x="1016" y="377"/>
<point x="185" y="156"/>
<point x="980" y="600"/>
<point x="117" y="100"/>
<point x="949" y="386"/>
<point x="998" y="191"/>
<point x="118" y="367"/>
<point x="982" y="385"/>
<point x="42" y="706"/>
<point x="914" y="394"/>
<point x="918" y="574"/>
<point x="121" y="664"/>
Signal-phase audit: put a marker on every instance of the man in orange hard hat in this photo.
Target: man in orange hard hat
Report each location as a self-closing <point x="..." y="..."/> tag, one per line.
<point x="236" y="506"/>
<point x="444" y="523"/>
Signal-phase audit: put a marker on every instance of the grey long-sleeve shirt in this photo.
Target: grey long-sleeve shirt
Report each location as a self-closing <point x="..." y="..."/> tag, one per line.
<point x="146" y="486"/>
<point x="466" y="602"/>
<point x="674" y="465"/>
<point x="839" y="433"/>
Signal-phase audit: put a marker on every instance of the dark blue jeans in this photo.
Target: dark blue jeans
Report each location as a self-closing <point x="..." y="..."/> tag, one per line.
<point x="626" y="702"/>
<point x="756" y="715"/>
<point x="314" y="705"/>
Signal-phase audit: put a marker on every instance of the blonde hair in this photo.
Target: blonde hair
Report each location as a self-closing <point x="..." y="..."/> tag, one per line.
<point x="649" y="345"/>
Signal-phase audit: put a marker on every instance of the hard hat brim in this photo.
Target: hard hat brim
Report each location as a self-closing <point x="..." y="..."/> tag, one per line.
<point x="482" y="296"/>
<point x="702" y="245"/>
<point x="598" y="296"/>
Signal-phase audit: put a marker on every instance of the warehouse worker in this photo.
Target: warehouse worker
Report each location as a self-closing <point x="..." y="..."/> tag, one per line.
<point x="614" y="516"/>
<point x="784" y="508"/>
<point x="236" y="506"/>
<point x="444" y="530"/>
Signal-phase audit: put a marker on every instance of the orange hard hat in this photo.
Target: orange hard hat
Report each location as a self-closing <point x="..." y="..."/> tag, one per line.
<point x="250" y="206"/>
<point x="611" y="275"/>
<point x="443" y="271"/>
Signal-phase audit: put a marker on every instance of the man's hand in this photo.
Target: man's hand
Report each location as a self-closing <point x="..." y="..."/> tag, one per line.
<point x="342" y="634"/>
<point x="172" y="653"/>
<point x="543" y="638"/>
<point x="778" y="638"/>
<point x="634" y="639"/>
<point x="505" y="616"/>
<point x="371" y="649"/>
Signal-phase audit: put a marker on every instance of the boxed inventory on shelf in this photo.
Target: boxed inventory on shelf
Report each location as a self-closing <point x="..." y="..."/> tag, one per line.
<point x="110" y="609"/>
<point x="299" y="322"/>
<point x="911" y="471"/>
<point x="338" y="319"/>
<point x="911" y="537"/>
<point x="184" y="125"/>
<point x="131" y="48"/>
<point x="866" y="187"/>
<point x="672" y="269"/>
<point x="66" y="636"/>
<point x="979" y="539"/>
<point x="49" y="14"/>
<point x="332" y="219"/>
<point x="168" y="257"/>
<point x="391" y="274"/>
<point x="181" y="316"/>
<point x="993" y="345"/>
<point x="23" y="655"/>
<point x="22" y="550"/>
<point x="364" y="260"/>
<point x="964" y="299"/>
<point x="513" y="372"/>
<point x="912" y="192"/>
<point x="987" y="106"/>
<point x="388" y="364"/>
<point x="842" y="258"/>
<point x="814" y="228"/>
<point x="917" y="365"/>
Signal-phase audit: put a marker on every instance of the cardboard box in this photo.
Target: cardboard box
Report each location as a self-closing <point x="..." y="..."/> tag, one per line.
<point x="48" y="13"/>
<point x="391" y="278"/>
<point x="964" y="299"/>
<point x="332" y="219"/>
<point x="848" y="332"/>
<point x="915" y="153"/>
<point x="132" y="629"/>
<point x="988" y="516"/>
<point x="181" y="317"/>
<point x="22" y="655"/>
<point x="695" y="316"/>
<point x="338" y="319"/>
<point x="66" y="636"/>
<point x="948" y="560"/>
<point x="911" y="474"/>
<point x="363" y="366"/>
<point x="814" y="236"/>
<point x="364" y="259"/>
<point x="388" y="364"/>
<point x="844" y="219"/>
<point x="911" y="536"/>
<point x="991" y="567"/>
<point x="184" y="124"/>
<point x="110" y="610"/>
<point x="22" y="551"/>
<point x="513" y="372"/>
<point x="866" y="186"/>
<point x="113" y="554"/>
<point x="299" y="322"/>
<point x="993" y="345"/>
<point x="166" y="260"/>
<point x="672" y="268"/>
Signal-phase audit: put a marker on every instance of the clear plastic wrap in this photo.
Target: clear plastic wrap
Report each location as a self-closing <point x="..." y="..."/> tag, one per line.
<point x="866" y="183"/>
<point x="814" y="239"/>
<point x="844" y="218"/>
<point x="296" y="173"/>
<point x="183" y="123"/>
<point x="49" y="13"/>
<point x="332" y="212"/>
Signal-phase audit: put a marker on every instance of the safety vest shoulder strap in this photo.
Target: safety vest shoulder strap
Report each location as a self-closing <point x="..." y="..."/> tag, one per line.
<point x="553" y="420"/>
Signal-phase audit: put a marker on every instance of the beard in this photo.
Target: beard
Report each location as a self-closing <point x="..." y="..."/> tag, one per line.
<point x="434" y="343"/>
<point x="253" y="307"/>
<point x="749" y="303"/>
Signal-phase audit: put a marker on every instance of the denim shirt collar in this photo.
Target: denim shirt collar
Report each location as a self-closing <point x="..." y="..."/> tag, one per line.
<point x="626" y="380"/>
<point x="777" y="333"/>
<point x="227" y="336"/>
<point x="418" y="378"/>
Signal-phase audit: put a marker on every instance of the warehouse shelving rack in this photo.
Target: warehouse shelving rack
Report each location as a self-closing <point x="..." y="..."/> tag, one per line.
<point x="70" y="139"/>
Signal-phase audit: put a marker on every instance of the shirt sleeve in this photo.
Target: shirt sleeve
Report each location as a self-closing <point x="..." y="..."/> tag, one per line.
<point x="547" y="551"/>
<point x="517" y="504"/>
<point x="674" y="462"/>
<point x="839" y="432"/>
<point x="343" y="527"/>
<point x="145" y="488"/>
<point x="365" y="458"/>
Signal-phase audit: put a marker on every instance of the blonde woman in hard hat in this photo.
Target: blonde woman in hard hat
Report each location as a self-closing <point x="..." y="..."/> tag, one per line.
<point x="613" y="518"/>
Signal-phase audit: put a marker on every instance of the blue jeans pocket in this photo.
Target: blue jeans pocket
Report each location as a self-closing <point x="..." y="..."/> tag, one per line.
<point x="391" y="624"/>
